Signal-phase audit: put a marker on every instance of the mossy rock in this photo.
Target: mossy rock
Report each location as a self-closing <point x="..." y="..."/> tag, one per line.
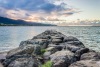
<point x="47" y="64"/>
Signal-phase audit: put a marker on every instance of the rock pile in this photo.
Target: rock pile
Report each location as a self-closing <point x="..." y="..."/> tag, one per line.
<point x="53" y="46"/>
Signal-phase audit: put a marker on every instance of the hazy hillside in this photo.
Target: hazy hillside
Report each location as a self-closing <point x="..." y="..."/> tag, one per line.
<point x="10" y="22"/>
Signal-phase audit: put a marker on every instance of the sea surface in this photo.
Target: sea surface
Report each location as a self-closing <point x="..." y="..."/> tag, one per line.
<point x="11" y="36"/>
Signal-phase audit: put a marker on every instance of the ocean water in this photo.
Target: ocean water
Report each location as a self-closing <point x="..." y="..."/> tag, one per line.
<point x="11" y="36"/>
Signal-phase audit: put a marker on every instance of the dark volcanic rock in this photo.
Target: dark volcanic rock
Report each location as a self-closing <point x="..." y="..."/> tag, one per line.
<point x="52" y="46"/>
<point x="72" y="48"/>
<point x="86" y="63"/>
<point x="20" y="51"/>
<point x="88" y="59"/>
<point x="11" y="59"/>
<point x="49" y="51"/>
<point x="37" y="50"/>
<point x="78" y="53"/>
<point x="76" y="43"/>
<point x="21" y="61"/>
<point x="90" y="55"/>
<point x="62" y="58"/>
<point x="46" y="55"/>
<point x="70" y="38"/>
<point x="24" y="62"/>
<point x="24" y="43"/>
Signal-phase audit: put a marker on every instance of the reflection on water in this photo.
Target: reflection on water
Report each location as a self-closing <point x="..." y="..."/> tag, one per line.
<point x="10" y="37"/>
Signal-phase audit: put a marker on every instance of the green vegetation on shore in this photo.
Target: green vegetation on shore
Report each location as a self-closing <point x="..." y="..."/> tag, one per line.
<point x="43" y="51"/>
<point x="47" y="64"/>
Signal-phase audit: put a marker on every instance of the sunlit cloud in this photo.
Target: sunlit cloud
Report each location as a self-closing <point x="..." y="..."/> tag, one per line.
<point x="34" y="10"/>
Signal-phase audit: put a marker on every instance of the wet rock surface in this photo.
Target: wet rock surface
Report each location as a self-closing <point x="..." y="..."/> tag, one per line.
<point x="62" y="58"/>
<point x="53" y="46"/>
<point x="86" y="63"/>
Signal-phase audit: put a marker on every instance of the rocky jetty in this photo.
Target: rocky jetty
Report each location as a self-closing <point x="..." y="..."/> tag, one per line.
<point x="51" y="49"/>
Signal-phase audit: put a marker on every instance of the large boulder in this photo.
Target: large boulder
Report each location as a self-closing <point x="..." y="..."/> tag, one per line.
<point x="70" y="38"/>
<point x="90" y="55"/>
<point x="20" y="51"/>
<point x="13" y="52"/>
<point x="89" y="59"/>
<point x="25" y="43"/>
<point x="86" y="63"/>
<point x="21" y="61"/>
<point x="7" y="61"/>
<point x="62" y="58"/>
<point x="24" y="62"/>
<point x="72" y="48"/>
<point x="46" y="55"/>
<point x="76" y="43"/>
<point x="37" y="50"/>
<point x="73" y="41"/>
<point x="78" y="53"/>
<point x="44" y="45"/>
<point x="49" y="51"/>
<point x="42" y="42"/>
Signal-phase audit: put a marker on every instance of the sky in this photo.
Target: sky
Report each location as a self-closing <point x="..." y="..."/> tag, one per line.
<point x="50" y="10"/>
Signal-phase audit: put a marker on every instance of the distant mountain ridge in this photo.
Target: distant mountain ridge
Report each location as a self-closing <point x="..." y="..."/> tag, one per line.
<point x="10" y="22"/>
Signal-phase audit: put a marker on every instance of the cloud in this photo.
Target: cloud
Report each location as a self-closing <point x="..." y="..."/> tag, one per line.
<point x="41" y="9"/>
<point x="53" y="19"/>
<point x="32" y="5"/>
<point x="2" y="12"/>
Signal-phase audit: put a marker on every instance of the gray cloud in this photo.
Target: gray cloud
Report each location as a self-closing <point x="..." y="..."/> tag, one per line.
<point x="32" y="7"/>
